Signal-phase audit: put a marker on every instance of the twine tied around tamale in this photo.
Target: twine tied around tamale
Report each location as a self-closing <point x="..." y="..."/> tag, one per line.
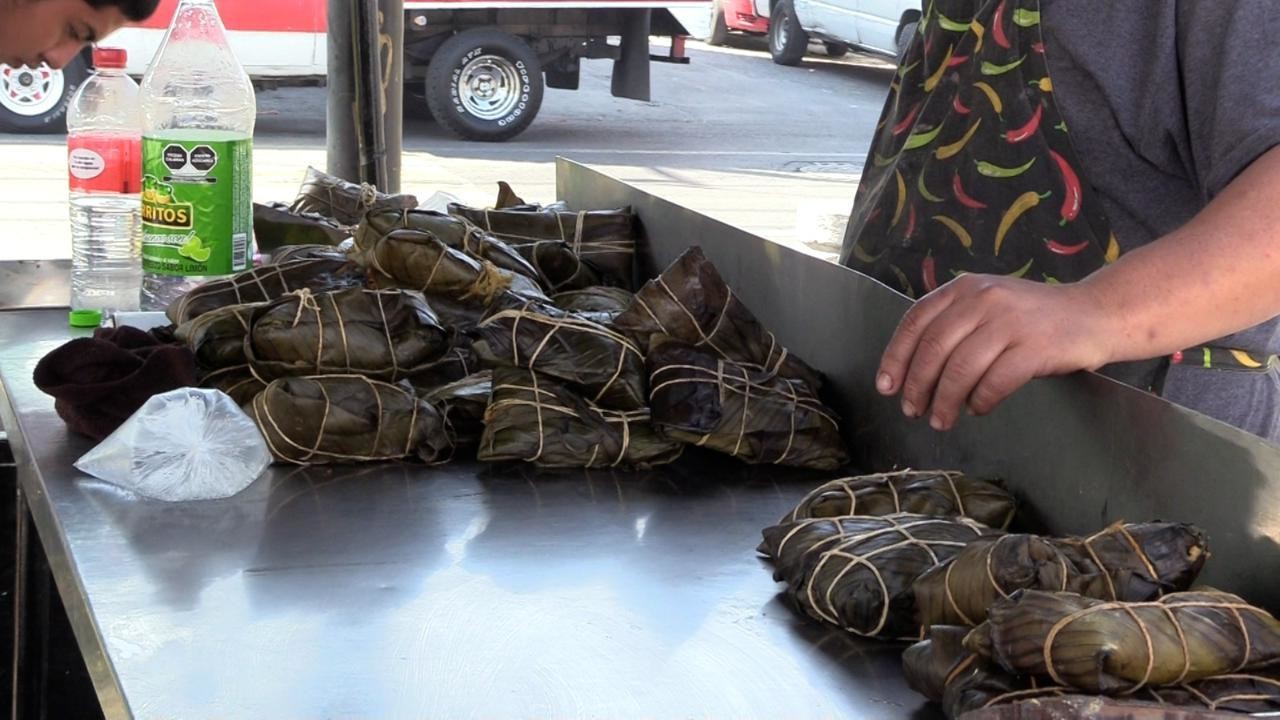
<point x="844" y="551"/>
<point x="1168" y="609"/>
<point x="744" y="385"/>
<point x="989" y="568"/>
<point x="707" y="337"/>
<point x="534" y="398"/>
<point x="255" y="277"/>
<point x="528" y="313"/>
<point x="307" y="301"/>
<point x="869" y="484"/>
<point x="264" y="418"/>
<point x="573" y="238"/>
<point x="1118" y="528"/>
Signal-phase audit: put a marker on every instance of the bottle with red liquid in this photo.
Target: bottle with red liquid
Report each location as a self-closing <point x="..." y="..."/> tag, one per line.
<point x="104" y="162"/>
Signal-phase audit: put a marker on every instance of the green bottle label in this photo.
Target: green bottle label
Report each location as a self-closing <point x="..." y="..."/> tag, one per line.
<point x="197" y="203"/>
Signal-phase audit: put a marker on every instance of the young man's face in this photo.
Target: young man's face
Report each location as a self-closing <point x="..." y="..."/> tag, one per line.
<point x="51" y="31"/>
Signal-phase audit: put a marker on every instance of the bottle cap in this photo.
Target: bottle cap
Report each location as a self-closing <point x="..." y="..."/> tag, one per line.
<point x="85" y="318"/>
<point x="110" y="58"/>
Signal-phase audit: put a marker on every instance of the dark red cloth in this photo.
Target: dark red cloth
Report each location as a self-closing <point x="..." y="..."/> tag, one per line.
<point x="97" y="383"/>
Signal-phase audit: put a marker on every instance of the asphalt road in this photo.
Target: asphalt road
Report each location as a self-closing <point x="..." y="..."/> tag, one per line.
<point x="776" y="150"/>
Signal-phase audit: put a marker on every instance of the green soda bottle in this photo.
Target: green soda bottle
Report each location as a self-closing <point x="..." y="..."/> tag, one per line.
<point x="198" y="112"/>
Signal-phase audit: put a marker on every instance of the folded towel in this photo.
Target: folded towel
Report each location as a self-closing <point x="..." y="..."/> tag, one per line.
<point x="97" y="383"/>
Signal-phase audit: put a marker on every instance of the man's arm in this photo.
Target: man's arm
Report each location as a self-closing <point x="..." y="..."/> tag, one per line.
<point x="979" y="338"/>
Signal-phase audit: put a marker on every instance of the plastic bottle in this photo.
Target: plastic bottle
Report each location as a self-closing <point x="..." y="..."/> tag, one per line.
<point x="198" y="111"/>
<point x="104" y="130"/>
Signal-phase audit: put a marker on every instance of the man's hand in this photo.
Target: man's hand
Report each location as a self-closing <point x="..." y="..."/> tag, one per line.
<point x="978" y="338"/>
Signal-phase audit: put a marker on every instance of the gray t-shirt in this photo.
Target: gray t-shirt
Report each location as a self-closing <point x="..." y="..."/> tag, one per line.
<point x="1167" y="102"/>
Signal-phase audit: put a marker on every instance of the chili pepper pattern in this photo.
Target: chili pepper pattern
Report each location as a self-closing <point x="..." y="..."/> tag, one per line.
<point x="972" y="114"/>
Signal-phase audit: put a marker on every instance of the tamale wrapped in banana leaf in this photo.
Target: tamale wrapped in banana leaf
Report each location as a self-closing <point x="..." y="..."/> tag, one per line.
<point x="217" y="337"/>
<point x="266" y="283"/>
<point x="601" y="364"/>
<point x="462" y="405"/>
<point x="570" y="250"/>
<point x="1131" y="563"/>
<point x="347" y="418"/>
<point x="275" y="226"/>
<point x="1111" y="648"/>
<point x="459" y="362"/>
<point x="944" y="671"/>
<point x="759" y="418"/>
<point x="690" y="302"/>
<point x="599" y="299"/>
<point x="238" y="382"/>
<point x="533" y="418"/>
<point x="933" y="492"/>
<point x="461" y="288"/>
<point x="452" y="231"/>
<point x="384" y="334"/>
<point x="288" y="253"/>
<point x="857" y="572"/>
<point x="346" y="202"/>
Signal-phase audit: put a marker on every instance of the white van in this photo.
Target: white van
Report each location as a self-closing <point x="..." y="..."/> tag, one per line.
<point x="880" y="26"/>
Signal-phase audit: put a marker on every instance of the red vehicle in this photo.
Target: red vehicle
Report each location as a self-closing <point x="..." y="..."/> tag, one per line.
<point x="479" y="67"/>
<point x="735" y="16"/>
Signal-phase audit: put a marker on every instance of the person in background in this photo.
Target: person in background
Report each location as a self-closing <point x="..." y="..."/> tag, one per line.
<point x="1081" y="185"/>
<point x="55" y="31"/>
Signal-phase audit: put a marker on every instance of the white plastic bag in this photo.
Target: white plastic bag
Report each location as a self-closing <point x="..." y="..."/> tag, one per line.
<point x="439" y="202"/>
<point x="186" y="444"/>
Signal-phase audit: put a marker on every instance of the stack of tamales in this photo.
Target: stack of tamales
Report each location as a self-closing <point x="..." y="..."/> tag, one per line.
<point x="516" y="326"/>
<point x="851" y="550"/>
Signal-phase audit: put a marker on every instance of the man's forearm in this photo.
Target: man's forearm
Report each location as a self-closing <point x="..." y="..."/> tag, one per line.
<point x="1217" y="275"/>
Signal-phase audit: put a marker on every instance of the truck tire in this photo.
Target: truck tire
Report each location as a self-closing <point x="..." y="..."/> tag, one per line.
<point x="788" y="42"/>
<point x="485" y="85"/>
<point x="719" y="27"/>
<point x="836" y="50"/>
<point x="36" y="101"/>
<point x="907" y="33"/>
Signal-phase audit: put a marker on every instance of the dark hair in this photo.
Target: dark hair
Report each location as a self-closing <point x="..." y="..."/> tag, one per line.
<point x="135" y="10"/>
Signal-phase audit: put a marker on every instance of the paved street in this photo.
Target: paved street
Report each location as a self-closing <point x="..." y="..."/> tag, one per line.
<point x="772" y="149"/>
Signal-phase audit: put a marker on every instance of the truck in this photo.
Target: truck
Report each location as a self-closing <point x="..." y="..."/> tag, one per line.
<point x="884" y="27"/>
<point x="478" y="67"/>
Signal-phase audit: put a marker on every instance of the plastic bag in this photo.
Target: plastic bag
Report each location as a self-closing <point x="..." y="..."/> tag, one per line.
<point x="187" y="444"/>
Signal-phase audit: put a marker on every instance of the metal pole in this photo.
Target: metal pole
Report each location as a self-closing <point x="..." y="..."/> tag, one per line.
<point x="366" y="91"/>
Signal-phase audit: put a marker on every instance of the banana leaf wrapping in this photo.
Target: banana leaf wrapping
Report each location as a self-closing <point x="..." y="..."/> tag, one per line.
<point x="384" y="334"/>
<point x="941" y="669"/>
<point x="275" y="226"/>
<point x="238" y="382"/>
<point x="217" y="337"/>
<point x="1116" y="648"/>
<point x="266" y="283"/>
<point x="346" y="202"/>
<point x="601" y="364"/>
<point x="570" y="250"/>
<point x="1131" y="563"/>
<point x="347" y="418"/>
<point x="601" y="304"/>
<point x="289" y="253"/>
<point x="691" y="302"/>
<point x="759" y="418"/>
<point x="453" y="232"/>
<point x="533" y="418"/>
<point x="460" y="288"/>
<point x="938" y="493"/>
<point x="459" y="362"/>
<point x="462" y="405"/>
<point x="856" y="572"/>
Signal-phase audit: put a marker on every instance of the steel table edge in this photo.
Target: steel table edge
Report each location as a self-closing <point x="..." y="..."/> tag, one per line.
<point x="66" y="575"/>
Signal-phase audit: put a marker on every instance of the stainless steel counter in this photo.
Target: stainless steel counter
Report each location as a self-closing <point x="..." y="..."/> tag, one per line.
<point x="406" y="592"/>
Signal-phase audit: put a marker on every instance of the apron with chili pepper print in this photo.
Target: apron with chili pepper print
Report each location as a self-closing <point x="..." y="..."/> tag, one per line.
<point x="972" y="168"/>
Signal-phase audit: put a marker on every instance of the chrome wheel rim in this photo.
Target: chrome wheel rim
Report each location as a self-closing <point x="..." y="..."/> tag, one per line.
<point x="489" y="87"/>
